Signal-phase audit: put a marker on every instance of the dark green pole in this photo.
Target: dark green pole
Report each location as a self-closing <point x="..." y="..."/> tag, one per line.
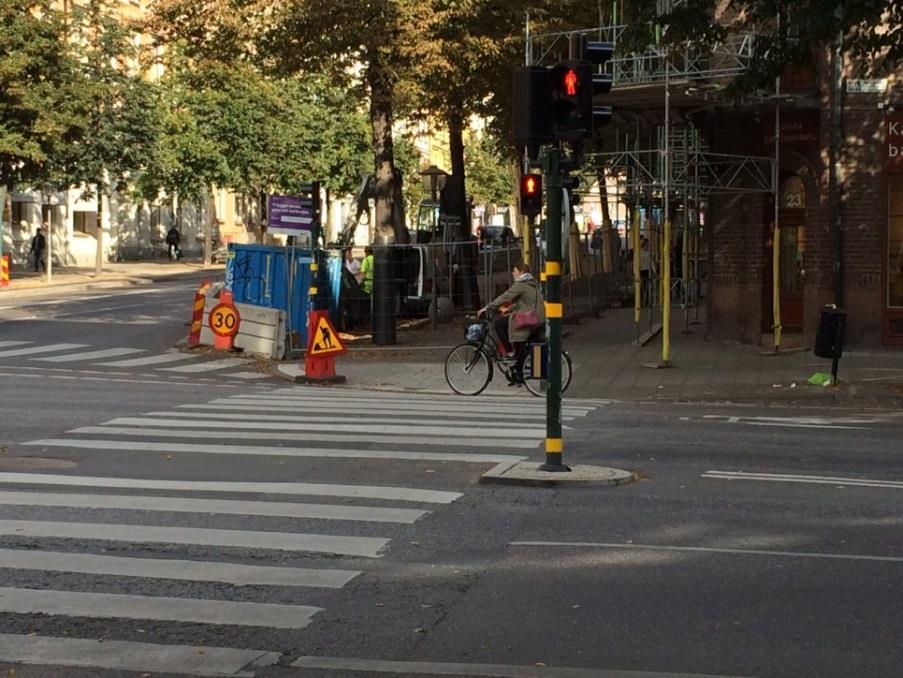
<point x="554" y="447"/>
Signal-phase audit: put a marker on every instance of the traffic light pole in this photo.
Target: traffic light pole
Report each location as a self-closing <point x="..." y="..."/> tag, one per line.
<point x="554" y="446"/>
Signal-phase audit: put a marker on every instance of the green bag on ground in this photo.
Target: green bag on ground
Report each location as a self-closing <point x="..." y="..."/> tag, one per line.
<point x="821" y="379"/>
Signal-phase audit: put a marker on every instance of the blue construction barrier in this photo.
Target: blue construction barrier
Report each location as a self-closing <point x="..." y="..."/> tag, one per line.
<point x="274" y="277"/>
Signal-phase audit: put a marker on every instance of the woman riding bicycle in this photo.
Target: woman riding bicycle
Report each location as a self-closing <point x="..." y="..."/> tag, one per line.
<point x="517" y="325"/>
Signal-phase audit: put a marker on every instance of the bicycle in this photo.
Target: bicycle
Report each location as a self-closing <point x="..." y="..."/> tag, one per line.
<point x="469" y="366"/>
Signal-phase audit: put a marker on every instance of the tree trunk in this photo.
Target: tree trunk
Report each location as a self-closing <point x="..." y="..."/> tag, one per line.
<point x="381" y="91"/>
<point x="607" y="236"/>
<point x="383" y="300"/>
<point x="98" y="260"/>
<point x="455" y="199"/>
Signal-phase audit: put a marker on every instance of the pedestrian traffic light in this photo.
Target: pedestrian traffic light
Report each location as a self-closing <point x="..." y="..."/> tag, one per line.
<point x="598" y="53"/>
<point x="531" y="195"/>
<point x="572" y="100"/>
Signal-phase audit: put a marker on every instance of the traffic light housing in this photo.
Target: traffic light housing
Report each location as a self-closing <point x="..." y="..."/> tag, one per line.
<point x="531" y="195"/>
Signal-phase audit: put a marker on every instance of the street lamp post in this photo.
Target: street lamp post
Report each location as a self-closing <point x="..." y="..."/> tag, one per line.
<point x="434" y="178"/>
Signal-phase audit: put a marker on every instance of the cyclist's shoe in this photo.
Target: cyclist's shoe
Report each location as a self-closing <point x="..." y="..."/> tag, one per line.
<point x="516" y="380"/>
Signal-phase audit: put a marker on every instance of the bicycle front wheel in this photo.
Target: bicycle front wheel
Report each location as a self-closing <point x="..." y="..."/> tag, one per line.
<point x="467" y="369"/>
<point x="538" y="387"/>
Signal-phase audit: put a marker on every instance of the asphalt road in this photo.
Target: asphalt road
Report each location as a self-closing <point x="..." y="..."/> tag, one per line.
<point x="229" y="527"/>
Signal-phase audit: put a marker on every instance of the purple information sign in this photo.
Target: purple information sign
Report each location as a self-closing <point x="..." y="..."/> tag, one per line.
<point x="287" y="214"/>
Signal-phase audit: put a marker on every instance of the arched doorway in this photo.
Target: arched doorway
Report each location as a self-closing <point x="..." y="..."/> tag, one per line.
<point x="792" y="219"/>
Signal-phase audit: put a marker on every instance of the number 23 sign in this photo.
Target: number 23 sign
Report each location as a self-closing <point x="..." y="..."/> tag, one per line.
<point x="224" y="320"/>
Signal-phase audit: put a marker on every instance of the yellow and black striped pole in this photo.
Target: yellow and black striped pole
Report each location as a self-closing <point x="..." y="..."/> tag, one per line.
<point x="554" y="446"/>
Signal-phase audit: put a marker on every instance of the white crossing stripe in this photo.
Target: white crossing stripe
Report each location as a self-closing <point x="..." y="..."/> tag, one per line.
<point x="307" y="489"/>
<point x="182" y="570"/>
<point x="368" y="547"/>
<point x="122" y="606"/>
<point x="352" y="665"/>
<point x="130" y="656"/>
<point x="371" y="514"/>
<point x="275" y="451"/>
<point x="360" y="425"/>
<point x="206" y="366"/>
<point x="345" y="393"/>
<point x="9" y="342"/>
<point x="510" y="406"/>
<point x="416" y="440"/>
<point x="34" y="350"/>
<point x="248" y="375"/>
<point x="814" y="480"/>
<point x="151" y="360"/>
<point x="90" y="355"/>
<point x="401" y="412"/>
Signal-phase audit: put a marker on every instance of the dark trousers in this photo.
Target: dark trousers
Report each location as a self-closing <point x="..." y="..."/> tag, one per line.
<point x="39" y="260"/>
<point x="518" y="348"/>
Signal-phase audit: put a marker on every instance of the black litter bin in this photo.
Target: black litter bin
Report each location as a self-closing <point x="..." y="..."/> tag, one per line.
<point x="829" y="337"/>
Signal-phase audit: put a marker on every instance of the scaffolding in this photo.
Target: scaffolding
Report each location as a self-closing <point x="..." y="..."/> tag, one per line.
<point x="662" y="167"/>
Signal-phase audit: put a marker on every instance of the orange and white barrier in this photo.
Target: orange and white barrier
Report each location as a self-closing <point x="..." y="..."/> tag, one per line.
<point x="197" y="316"/>
<point x="4" y="271"/>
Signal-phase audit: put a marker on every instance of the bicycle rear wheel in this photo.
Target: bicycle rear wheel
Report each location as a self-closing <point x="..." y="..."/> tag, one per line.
<point x="538" y="387"/>
<point x="467" y="369"/>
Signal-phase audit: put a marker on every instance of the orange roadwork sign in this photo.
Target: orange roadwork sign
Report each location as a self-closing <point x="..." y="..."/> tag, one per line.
<point x="324" y="340"/>
<point x="224" y="320"/>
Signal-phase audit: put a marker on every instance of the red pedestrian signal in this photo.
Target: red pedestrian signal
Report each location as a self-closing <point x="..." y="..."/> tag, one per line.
<point x="531" y="195"/>
<point x="570" y="80"/>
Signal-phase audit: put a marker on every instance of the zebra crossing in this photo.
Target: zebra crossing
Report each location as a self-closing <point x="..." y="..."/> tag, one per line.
<point x="170" y="363"/>
<point x="256" y="557"/>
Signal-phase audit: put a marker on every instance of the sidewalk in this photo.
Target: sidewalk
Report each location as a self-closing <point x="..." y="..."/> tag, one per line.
<point x="114" y="275"/>
<point x="608" y="364"/>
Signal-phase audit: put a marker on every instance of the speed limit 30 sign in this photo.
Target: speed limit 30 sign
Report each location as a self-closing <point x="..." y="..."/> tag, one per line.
<point x="224" y="320"/>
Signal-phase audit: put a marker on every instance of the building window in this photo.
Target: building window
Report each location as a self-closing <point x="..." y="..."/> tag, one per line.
<point x="18" y="213"/>
<point x="895" y="241"/>
<point x="81" y="221"/>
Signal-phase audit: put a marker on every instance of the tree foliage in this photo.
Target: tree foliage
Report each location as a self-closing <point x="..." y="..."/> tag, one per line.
<point x="38" y="78"/>
<point x="488" y="171"/>
<point x="121" y="120"/>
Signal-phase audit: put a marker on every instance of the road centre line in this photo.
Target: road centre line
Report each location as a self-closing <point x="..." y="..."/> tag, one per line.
<point x="43" y="348"/>
<point x="123" y="606"/>
<point x="372" y="514"/>
<point x="134" y="657"/>
<point x="273" y="451"/>
<point x="9" y="343"/>
<point x="399" y="412"/>
<point x="409" y="668"/>
<point x="181" y="570"/>
<point x="368" y="547"/>
<point x="321" y="437"/>
<point x="791" y="478"/>
<point x="707" y="549"/>
<point x="361" y="425"/>
<point x="304" y="489"/>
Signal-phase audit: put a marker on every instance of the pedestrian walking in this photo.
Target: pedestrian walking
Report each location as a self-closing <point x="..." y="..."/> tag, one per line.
<point x="645" y="273"/>
<point x="173" y="240"/>
<point x="38" y="245"/>
<point x="367" y="271"/>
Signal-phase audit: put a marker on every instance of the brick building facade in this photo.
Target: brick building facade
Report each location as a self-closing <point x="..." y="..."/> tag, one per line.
<point x="869" y="214"/>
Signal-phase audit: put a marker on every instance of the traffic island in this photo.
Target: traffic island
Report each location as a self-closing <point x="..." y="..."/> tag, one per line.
<point x="529" y="473"/>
